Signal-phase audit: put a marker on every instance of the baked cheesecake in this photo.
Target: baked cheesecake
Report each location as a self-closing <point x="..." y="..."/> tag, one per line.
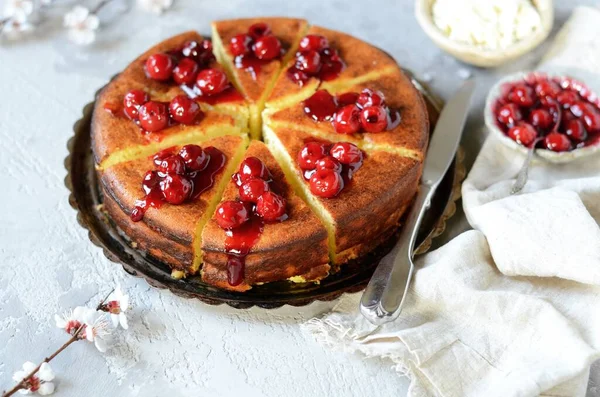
<point x="185" y="177"/>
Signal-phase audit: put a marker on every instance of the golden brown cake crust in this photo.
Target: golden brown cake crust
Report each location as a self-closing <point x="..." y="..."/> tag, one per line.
<point x="281" y="252"/>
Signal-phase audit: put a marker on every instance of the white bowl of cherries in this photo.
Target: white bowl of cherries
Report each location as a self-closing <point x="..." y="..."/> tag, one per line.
<point x="558" y="114"/>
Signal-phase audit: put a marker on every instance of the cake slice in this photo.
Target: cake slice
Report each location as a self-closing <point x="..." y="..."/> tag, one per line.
<point x="354" y="61"/>
<point x="292" y="248"/>
<point x="407" y="123"/>
<point x="117" y="128"/>
<point x="252" y="76"/>
<point x="380" y="186"/>
<point x="166" y="230"/>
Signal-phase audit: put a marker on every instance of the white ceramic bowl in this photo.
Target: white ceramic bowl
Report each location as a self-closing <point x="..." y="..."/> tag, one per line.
<point x="492" y="125"/>
<point x="480" y="56"/>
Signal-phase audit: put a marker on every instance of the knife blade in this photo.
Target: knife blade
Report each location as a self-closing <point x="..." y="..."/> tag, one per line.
<point x="385" y="294"/>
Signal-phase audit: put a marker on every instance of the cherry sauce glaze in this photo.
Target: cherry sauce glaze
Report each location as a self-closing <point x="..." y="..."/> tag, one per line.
<point x="315" y="58"/>
<point x="178" y="177"/>
<point x="255" y="48"/>
<point x="328" y="167"/>
<point x="243" y="219"/>
<point x="561" y="111"/>
<point x="351" y="112"/>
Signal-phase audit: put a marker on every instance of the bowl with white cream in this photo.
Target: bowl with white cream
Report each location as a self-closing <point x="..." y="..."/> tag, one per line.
<point x="486" y="33"/>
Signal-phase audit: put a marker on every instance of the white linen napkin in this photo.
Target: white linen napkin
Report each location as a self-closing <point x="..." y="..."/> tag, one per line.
<point x="495" y="312"/>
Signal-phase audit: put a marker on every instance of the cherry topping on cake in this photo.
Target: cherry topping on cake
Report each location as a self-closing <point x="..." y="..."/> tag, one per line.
<point x="346" y="153"/>
<point x="172" y="164"/>
<point x="347" y="120"/>
<point x="330" y="163"/>
<point x="211" y="81"/>
<point x="252" y="189"/>
<point x="546" y="88"/>
<point x="541" y="118"/>
<point x="509" y="114"/>
<point x="374" y="118"/>
<point x="309" y="62"/>
<point x="320" y="106"/>
<point x="200" y="52"/>
<point x="369" y="97"/>
<point x="159" y="66"/>
<point x="567" y="98"/>
<point x="522" y="95"/>
<point x="176" y="188"/>
<point x="258" y="30"/>
<point x="313" y="42"/>
<point x="557" y="142"/>
<point x="524" y="134"/>
<point x="575" y="130"/>
<point x="326" y="183"/>
<point x="310" y="154"/>
<point x="240" y="44"/>
<point x="270" y="206"/>
<point x="153" y="116"/>
<point x="150" y="181"/>
<point x="347" y="98"/>
<point x="186" y="71"/>
<point x="194" y="157"/>
<point x="267" y="48"/>
<point x="253" y="167"/>
<point x="591" y="118"/>
<point x="184" y="110"/>
<point x="132" y="101"/>
<point x="231" y="214"/>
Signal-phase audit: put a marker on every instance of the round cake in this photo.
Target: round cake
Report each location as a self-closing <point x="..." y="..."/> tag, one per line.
<point x="277" y="151"/>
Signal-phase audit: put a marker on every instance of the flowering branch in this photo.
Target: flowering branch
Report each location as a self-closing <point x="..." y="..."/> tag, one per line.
<point x="82" y="323"/>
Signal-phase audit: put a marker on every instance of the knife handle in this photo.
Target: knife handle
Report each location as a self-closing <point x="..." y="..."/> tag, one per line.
<point x="383" y="298"/>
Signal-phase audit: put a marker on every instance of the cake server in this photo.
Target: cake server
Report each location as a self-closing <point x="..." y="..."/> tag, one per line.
<point x="383" y="298"/>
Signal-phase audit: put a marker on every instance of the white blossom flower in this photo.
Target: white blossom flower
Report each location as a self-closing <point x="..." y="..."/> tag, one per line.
<point x="16" y="26"/>
<point x="82" y="25"/>
<point x="40" y="382"/>
<point x="20" y="9"/>
<point x="155" y="6"/>
<point x="72" y="320"/>
<point x="117" y="305"/>
<point x="96" y="329"/>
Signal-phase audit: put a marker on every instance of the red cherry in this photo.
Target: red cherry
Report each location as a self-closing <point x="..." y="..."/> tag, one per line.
<point x="267" y="48"/>
<point x="150" y="181"/>
<point x="253" y="167"/>
<point x="231" y="214"/>
<point x="252" y="188"/>
<point x="347" y="98"/>
<point x="578" y="108"/>
<point x="541" y="118"/>
<point x="313" y="42"/>
<point x="194" y="157"/>
<point x="330" y="163"/>
<point x="211" y="81"/>
<point x="270" y="206"/>
<point x="173" y="164"/>
<point x="346" y="153"/>
<point x="176" y="188"/>
<point x="331" y="69"/>
<point x="326" y="183"/>
<point x="591" y="119"/>
<point x="310" y="154"/>
<point x="132" y="101"/>
<point x="309" y="62"/>
<point x="547" y="89"/>
<point x="575" y="130"/>
<point x="184" y="110"/>
<point x="557" y="142"/>
<point x="524" y="134"/>
<point x="374" y="118"/>
<point x="330" y="54"/>
<point x="509" y="114"/>
<point x="347" y="120"/>
<point x="159" y="67"/>
<point x="185" y="72"/>
<point x="369" y="97"/>
<point x="259" y="29"/>
<point x="522" y="95"/>
<point x="200" y="52"/>
<point x="153" y="116"/>
<point x="240" y="44"/>
<point x="297" y="76"/>
<point x="567" y="98"/>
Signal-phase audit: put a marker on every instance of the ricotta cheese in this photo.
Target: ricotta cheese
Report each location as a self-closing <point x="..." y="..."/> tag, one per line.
<point x="489" y="24"/>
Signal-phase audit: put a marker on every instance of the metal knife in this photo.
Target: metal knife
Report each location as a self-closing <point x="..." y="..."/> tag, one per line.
<point x="383" y="298"/>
